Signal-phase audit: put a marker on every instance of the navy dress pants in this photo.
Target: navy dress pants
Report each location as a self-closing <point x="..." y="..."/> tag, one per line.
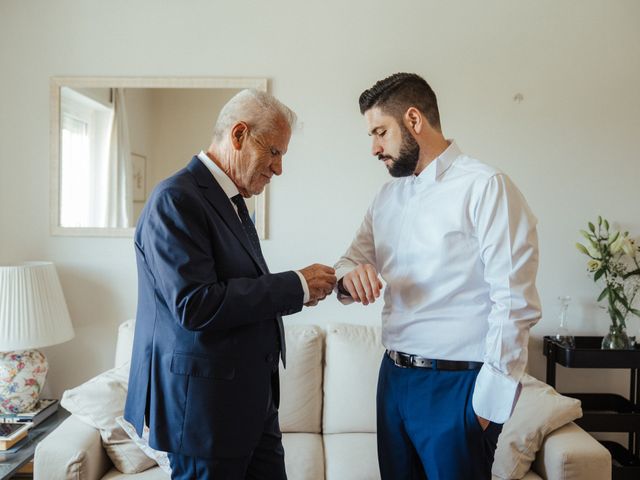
<point x="266" y="462"/>
<point x="427" y="428"/>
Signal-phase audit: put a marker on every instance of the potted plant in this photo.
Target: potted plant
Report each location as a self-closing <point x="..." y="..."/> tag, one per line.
<point x="614" y="260"/>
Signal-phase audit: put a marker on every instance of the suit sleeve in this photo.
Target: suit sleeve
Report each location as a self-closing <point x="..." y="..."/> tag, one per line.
<point x="177" y="249"/>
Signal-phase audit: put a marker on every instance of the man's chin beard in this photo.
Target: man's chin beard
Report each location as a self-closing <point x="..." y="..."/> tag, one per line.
<point x="401" y="169"/>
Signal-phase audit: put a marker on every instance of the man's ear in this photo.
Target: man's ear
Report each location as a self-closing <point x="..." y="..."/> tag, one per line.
<point x="414" y="120"/>
<point x="238" y="134"/>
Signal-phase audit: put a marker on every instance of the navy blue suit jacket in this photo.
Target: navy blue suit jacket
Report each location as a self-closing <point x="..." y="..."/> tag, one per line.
<point x="206" y="337"/>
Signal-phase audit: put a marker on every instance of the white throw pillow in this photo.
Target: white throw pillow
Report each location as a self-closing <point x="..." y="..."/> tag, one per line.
<point x="161" y="458"/>
<point x="352" y="361"/>
<point x="539" y="411"/>
<point x="301" y="382"/>
<point x="98" y="402"/>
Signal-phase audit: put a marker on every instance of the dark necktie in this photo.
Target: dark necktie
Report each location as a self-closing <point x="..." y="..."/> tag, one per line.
<point x="252" y="234"/>
<point x="249" y="229"/>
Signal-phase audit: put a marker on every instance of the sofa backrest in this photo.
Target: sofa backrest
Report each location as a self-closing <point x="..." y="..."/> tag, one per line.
<point x="124" y="344"/>
<point x="352" y="360"/>
<point x="329" y="385"/>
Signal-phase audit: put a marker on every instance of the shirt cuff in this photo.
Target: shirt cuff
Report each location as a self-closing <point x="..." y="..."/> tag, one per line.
<point x="495" y="395"/>
<point x="305" y="287"/>
<point x="342" y="298"/>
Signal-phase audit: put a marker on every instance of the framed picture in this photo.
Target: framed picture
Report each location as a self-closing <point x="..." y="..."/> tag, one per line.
<point x="139" y="173"/>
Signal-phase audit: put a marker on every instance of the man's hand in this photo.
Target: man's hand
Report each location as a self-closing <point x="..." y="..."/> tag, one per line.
<point x="321" y="280"/>
<point x="363" y="284"/>
<point x="484" y="423"/>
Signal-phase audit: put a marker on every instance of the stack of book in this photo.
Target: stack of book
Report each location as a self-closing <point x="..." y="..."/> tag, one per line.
<point x="15" y="426"/>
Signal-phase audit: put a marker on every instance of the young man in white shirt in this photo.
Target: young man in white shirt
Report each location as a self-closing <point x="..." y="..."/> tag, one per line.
<point x="456" y="245"/>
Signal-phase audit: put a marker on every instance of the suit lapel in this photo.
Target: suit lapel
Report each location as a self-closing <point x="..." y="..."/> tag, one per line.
<point x="219" y="200"/>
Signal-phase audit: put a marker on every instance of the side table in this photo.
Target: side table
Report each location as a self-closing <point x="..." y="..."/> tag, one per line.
<point x="604" y="412"/>
<point x="10" y="463"/>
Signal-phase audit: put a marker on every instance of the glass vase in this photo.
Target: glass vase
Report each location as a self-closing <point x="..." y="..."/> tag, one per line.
<point x="562" y="335"/>
<point x="616" y="339"/>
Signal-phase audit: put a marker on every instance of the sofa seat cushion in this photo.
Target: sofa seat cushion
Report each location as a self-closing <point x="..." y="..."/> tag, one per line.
<point x="303" y="456"/>
<point x="352" y="456"/>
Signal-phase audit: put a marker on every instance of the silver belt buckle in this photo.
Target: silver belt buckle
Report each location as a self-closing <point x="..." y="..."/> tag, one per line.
<point x="395" y="356"/>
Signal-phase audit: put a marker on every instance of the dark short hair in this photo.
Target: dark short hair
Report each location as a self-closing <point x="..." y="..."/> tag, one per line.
<point x="399" y="92"/>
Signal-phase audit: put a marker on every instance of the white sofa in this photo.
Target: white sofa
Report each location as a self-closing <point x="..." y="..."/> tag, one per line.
<point x="327" y="416"/>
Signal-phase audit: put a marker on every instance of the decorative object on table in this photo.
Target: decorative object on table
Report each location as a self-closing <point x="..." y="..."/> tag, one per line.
<point x="33" y="314"/>
<point x="614" y="258"/>
<point x="563" y="336"/>
<point x="40" y="412"/>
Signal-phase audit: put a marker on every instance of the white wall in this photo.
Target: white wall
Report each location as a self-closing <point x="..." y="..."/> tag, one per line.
<point x="571" y="144"/>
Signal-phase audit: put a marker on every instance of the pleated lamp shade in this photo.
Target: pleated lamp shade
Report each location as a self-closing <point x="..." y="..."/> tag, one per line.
<point x="33" y="312"/>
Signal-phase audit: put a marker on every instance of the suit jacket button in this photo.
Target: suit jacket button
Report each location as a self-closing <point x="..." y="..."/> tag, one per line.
<point x="269" y="358"/>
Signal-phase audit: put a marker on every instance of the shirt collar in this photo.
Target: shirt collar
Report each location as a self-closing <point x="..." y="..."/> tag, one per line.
<point x="219" y="175"/>
<point x="440" y="164"/>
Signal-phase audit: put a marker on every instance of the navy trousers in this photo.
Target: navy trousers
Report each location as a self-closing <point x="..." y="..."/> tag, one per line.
<point x="265" y="463"/>
<point x="427" y="428"/>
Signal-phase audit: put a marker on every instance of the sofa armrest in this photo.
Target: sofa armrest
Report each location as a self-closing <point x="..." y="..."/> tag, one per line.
<point x="72" y="451"/>
<point x="571" y="453"/>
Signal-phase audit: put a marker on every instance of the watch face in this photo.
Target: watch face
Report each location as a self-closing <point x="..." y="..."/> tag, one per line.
<point x="8" y="429"/>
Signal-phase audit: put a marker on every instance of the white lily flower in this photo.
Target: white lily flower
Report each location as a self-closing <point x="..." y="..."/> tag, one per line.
<point x="616" y="246"/>
<point x="628" y="246"/>
<point x="594" y="265"/>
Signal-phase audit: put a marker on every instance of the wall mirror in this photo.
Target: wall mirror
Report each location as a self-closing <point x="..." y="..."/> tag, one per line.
<point x="114" y="138"/>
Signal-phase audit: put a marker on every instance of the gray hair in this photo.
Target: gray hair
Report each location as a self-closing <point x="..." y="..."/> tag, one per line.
<point x="258" y="109"/>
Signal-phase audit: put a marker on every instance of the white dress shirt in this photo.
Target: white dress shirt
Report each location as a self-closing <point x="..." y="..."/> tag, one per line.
<point x="231" y="191"/>
<point x="457" y="248"/>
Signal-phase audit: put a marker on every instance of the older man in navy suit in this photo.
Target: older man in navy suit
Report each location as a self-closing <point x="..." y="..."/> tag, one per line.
<point x="209" y="333"/>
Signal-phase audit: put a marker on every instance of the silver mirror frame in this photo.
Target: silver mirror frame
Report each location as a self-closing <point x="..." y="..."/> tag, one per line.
<point x="57" y="83"/>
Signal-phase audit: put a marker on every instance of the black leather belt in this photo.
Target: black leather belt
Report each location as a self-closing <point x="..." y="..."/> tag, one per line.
<point x="406" y="360"/>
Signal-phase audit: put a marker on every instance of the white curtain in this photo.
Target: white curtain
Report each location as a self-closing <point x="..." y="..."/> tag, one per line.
<point x="119" y="178"/>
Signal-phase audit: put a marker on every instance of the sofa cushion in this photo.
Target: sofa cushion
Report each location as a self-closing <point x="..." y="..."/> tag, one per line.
<point x="161" y="458"/>
<point x="98" y="402"/>
<point x="539" y="411"/>
<point x="352" y="456"/>
<point x="352" y="360"/>
<point x="303" y="456"/>
<point x="301" y="381"/>
<point x="124" y="345"/>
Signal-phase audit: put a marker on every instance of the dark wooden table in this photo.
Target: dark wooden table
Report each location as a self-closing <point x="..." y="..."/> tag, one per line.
<point x="10" y="463"/>
<point x="604" y="412"/>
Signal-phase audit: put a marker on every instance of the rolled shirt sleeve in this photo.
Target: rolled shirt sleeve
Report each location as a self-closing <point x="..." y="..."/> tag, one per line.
<point x="360" y="252"/>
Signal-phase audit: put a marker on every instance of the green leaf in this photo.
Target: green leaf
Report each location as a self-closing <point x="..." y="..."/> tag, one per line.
<point x="598" y="274"/>
<point x="635" y="311"/>
<point x="631" y="273"/>
<point x="614" y="238"/>
<point x="623" y="301"/>
<point x="585" y="234"/>
<point x="603" y="294"/>
<point x="619" y="315"/>
<point x="592" y="227"/>
<point x="606" y="225"/>
<point x="582" y="248"/>
<point x="599" y="220"/>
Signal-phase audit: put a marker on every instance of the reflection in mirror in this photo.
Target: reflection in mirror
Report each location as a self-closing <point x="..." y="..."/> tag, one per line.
<point x="115" y="141"/>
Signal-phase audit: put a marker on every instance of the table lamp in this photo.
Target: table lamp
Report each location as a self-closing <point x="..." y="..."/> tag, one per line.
<point x="33" y="314"/>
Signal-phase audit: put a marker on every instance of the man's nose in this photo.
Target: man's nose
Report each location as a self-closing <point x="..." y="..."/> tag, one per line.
<point x="376" y="148"/>
<point x="276" y="167"/>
